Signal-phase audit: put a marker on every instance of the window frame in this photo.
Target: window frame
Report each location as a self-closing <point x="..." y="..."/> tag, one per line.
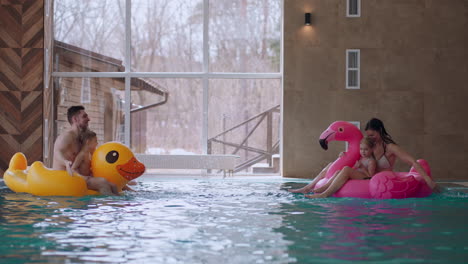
<point x="357" y="69"/>
<point x="85" y="91"/>
<point x="348" y="6"/>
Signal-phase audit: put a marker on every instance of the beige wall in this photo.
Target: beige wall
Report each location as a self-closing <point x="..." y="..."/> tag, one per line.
<point x="414" y="76"/>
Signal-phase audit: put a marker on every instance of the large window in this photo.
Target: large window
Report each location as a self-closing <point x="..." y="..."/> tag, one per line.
<point x="174" y="76"/>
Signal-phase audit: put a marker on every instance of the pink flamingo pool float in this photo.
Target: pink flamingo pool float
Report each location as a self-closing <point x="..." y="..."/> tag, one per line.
<point x="383" y="185"/>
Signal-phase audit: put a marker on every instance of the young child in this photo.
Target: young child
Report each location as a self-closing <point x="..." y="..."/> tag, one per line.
<point x="363" y="169"/>
<point x="82" y="165"/>
<point x="367" y="163"/>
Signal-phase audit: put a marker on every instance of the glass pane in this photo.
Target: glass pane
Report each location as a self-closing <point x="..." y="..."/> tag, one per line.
<point x="353" y="7"/>
<point x="89" y="35"/>
<point x="244" y="119"/>
<point x="352" y="78"/>
<point x="352" y="59"/>
<point x="172" y="126"/>
<point x="245" y="35"/>
<point x="167" y="35"/>
<point x="105" y="107"/>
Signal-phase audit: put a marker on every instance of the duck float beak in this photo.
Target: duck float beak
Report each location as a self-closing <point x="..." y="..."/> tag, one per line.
<point x="132" y="169"/>
<point x="116" y="162"/>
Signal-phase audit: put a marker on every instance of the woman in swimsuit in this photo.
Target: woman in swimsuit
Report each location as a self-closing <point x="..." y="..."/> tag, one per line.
<point x="386" y="151"/>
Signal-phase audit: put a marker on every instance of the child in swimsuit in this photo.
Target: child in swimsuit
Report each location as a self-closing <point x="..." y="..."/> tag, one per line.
<point x="363" y="169"/>
<point x="82" y="165"/>
<point x="367" y="163"/>
<point x="82" y="162"/>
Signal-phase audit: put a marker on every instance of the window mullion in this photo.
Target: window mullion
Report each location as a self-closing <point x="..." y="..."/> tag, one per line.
<point x="128" y="58"/>
<point x="206" y="69"/>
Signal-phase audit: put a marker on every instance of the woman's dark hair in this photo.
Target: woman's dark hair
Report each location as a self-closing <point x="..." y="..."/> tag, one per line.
<point x="377" y="125"/>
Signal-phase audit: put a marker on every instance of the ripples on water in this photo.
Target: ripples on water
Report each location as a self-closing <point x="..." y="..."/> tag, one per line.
<point x="230" y="221"/>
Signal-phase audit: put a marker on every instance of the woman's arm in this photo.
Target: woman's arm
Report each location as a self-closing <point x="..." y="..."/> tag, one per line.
<point x="408" y="159"/>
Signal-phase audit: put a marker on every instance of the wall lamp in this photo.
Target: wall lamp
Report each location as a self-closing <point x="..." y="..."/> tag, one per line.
<point x="308" y="19"/>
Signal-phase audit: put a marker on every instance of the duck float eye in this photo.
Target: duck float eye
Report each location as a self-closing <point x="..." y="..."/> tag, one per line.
<point x="112" y="156"/>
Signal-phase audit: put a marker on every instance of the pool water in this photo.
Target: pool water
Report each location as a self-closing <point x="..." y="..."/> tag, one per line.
<point x="234" y="220"/>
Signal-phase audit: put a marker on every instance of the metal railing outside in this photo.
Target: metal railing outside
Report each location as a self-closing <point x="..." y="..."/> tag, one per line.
<point x="252" y="155"/>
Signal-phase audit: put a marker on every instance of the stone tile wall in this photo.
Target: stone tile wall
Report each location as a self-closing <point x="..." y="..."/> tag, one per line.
<point x="414" y="76"/>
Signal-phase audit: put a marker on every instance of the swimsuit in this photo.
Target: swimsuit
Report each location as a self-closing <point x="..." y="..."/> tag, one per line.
<point x="364" y="168"/>
<point x="383" y="163"/>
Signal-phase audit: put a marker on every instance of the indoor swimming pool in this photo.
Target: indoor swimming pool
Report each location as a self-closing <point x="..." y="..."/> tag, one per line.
<point x="233" y="220"/>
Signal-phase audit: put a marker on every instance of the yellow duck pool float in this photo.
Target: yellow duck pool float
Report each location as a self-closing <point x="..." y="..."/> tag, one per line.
<point x="112" y="161"/>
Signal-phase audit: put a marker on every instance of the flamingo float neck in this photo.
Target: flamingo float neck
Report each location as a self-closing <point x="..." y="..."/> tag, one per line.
<point x="342" y="131"/>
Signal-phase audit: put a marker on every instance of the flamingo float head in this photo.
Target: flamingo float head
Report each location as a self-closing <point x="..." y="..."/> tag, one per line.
<point x="340" y="131"/>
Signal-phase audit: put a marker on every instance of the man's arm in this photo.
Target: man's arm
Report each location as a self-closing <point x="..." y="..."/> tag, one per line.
<point x="61" y="147"/>
<point x="127" y="188"/>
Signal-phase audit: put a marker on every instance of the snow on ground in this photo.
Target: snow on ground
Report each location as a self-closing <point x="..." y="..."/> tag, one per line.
<point x="162" y="151"/>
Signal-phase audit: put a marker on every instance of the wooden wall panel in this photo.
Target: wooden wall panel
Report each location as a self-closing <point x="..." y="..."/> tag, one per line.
<point x="33" y="24"/>
<point x="10" y="107"/>
<point x="10" y="26"/>
<point x="10" y="69"/>
<point x="32" y="69"/>
<point x="21" y="79"/>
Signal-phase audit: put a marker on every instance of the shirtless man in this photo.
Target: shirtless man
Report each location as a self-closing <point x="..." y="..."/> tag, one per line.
<point x="67" y="146"/>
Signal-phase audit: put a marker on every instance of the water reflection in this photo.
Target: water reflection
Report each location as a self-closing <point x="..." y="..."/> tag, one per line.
<point x="179" y="221"/>
<point x="343" y="230"/>
<point x="230" y="221"/>
<point x="25" y="218"/>
<point x="26" y="209"/>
